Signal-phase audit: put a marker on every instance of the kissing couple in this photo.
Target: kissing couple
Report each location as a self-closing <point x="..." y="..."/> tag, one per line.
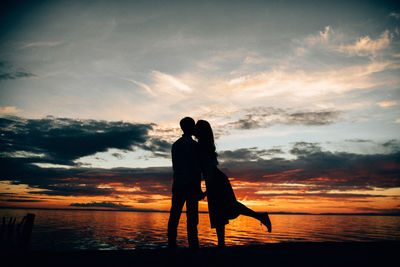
<point x="191" y="161"/>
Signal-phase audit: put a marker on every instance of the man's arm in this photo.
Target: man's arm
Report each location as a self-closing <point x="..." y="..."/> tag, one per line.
<point x="173" y="155"/>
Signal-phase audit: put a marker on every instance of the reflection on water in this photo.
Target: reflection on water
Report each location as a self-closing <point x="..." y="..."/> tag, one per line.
<point x="65" y="230"/>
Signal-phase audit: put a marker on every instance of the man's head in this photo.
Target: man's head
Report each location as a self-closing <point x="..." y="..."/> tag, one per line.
<point x="187" y="125"/>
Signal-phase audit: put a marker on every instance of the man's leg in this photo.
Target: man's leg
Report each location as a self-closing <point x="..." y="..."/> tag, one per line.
<point x="192" y="215"/>
<point x="221" y="235"/>
<point x="174" y="216"/>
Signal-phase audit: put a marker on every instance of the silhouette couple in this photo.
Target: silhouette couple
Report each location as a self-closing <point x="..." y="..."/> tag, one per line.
<point x="191" y="161"/>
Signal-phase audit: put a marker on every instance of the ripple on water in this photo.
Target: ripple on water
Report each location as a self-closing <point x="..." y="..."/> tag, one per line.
<point x="63" y="230"/>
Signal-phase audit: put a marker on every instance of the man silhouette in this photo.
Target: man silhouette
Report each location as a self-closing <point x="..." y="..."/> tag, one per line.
<point x="186" y="186"/>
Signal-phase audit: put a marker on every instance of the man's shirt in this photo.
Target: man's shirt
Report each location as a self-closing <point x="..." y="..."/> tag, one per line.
<point x="185" y="163"/>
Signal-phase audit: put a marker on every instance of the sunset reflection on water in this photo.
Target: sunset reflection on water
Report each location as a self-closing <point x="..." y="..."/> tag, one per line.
<point x="66" y="230"/>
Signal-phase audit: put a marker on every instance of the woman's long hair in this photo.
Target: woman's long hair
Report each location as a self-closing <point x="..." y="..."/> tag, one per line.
<point x="205" y="137"/>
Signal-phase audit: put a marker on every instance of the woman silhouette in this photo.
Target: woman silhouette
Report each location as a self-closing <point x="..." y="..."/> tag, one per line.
<point x="222" y="203"/>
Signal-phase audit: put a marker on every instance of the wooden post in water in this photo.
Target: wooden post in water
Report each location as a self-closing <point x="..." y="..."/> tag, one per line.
<point x="27" y="230"/>
<point x="3" y="230"/>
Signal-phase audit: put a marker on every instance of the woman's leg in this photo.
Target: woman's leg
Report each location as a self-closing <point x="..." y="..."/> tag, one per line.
<point x="262" y="217"/>
<point x="221" y="235"/>
<point x="243" y="210"/>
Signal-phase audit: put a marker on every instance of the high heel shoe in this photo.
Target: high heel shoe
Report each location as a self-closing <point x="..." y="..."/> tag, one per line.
<point x="265" y="220"/>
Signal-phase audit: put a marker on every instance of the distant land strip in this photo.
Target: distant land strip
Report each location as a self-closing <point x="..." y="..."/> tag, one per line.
<point x="167" y="211"/>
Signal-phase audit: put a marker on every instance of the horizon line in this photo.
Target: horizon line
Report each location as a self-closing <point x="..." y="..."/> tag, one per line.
<point x="205" y="212"/>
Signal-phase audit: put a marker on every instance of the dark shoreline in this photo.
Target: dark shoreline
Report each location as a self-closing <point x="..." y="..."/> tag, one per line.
<point x="276" y="254"/>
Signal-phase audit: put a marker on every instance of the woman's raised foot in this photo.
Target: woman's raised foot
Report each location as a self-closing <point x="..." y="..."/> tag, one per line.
<point x="264" y="219"/>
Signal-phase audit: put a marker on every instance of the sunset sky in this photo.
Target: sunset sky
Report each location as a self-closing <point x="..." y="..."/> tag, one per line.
<point x="303" y="98"/>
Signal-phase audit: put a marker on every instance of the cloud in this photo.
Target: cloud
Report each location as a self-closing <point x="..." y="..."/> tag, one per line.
<point x="42" y="152"/>
<point x="385" y="104"/>
<point x="27" y="142"/>
<point x="321" y="38"/>
<point x="366" y="46"/>
<point x="262" y="117"/>
<point x="290" y="84"/>
<point x="392" y="145"/>
<point x="302" y="149"/>
<point x="9" y="72"/>
<point x="18" y="200"/>
<point x="72" y="189"/>
<point x="15" y="75"/>
<point x="312" y="170"/>
<point x="247" y="154"/>
<point x="160" y="148"/>
<point x="245" y="123"/>
<point x="117" y="155"/>
<point x="104" y="204"/>
<point x="84" y="181"/>
<point x="13" y="197"/>
<point x="145" y="86"/>
<point x="63" y="140"/>
<point x="169" y="83"/>
<point x="8" y="110"/>
<point x="329" y="40"/>
<point x="358" y="140"/>
<point x="39" y="44"/>
<point x="318" y="195"/>
<point x="322" y="41"/>
<point x="313" y="117"/>
<point x="321" y="170"/>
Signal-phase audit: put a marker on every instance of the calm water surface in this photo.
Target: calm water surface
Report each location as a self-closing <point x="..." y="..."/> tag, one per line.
<point x="66" y="230"/>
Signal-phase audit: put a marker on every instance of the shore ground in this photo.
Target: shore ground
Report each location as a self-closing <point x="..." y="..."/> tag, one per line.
<point x="281" y="254"/>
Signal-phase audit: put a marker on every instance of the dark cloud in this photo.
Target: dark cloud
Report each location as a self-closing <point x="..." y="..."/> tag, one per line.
<point x="319" y="195"/>
<point x="262" y="117"/>
<point x="58" y="140"/>
<point x="16" y="197"/>
<point x="316" y="170"/>
<point x="313" y="118"/>
<point x="117" y="155"/>
<point x="8" y="72"/>
<point x="81" y="181"/>
<point x="247" y="123"/>
<point x="21" y="200"/>
<point x="304" y="148"/>
<point x="301" y="191"/>
<point x="104" y="204"/>
<point x="160" y="147"/>
<point x="63" y="140"/>
<point x="392" y="145"/>
<point x="144" y="200"/>
<point x="73" y="189"/>
<point x="13" y="197"/>
<point x="323" y="170"/>
<point x="358" y="141"/>
<point x="15" y="75"/>
<point x="247" y="154"/>
<point x="24" y="143"/>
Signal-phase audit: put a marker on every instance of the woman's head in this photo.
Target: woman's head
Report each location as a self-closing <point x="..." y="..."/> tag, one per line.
<point x="205" y="136"/>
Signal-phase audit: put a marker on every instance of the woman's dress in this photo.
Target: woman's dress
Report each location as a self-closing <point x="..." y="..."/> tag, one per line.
<point x="222" y="203"/>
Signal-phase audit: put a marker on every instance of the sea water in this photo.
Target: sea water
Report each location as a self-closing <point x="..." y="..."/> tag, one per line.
<point x="62" y="230"/>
